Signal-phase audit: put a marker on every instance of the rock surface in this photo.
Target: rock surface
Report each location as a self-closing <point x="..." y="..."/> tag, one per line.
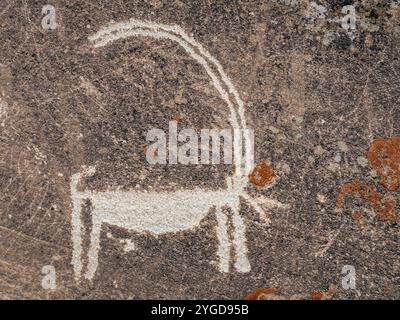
<point x="317" y="95"/>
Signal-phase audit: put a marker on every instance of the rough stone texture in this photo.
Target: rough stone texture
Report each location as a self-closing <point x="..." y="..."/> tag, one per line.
<point x="316" y="96"/>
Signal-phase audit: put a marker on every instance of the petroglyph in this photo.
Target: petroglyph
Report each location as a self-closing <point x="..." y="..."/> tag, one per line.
<point x="170" y="212"/>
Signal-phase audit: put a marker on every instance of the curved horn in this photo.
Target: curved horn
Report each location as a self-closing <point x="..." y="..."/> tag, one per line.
<point x="134" y="27"/>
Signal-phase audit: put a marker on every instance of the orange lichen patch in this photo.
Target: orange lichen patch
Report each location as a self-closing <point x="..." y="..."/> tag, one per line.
<point x="384" y="207"/>
<point x="386" y="287"/>
<point x="386" y="212"/>
<point x="262" y="294"/>
<point x="324" y="295"/>
<point x="261" y="174"/>
<point x="354" y="188"/>
<point x="357" y="216"/>
<point x="232" y="98"/>
<point x="317" y="295"/>
<point x="179" y="117"/>
<point x="384" y="157"/>
<point x="272" y="294"/>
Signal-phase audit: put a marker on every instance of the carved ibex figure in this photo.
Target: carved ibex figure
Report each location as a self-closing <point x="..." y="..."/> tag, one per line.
<point x="165" y="212"/>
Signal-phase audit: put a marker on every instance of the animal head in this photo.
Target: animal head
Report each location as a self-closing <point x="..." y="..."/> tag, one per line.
<point x="238" y="185"/>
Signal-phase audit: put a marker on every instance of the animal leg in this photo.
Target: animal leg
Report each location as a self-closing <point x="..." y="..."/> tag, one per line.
<point x="224" y="245"/>
<point x="242" y="263"/>
<point x="94" y="249"/>
<point x="77" y="237"/>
